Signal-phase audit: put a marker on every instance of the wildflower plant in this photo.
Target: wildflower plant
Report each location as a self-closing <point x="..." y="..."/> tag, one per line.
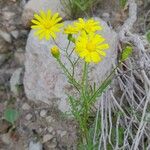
<point x="88" y="46"/>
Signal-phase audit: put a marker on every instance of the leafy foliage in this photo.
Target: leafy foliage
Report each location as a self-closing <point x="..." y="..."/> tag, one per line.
<point x="122" y="3"/>
<point x="77" y="8"/>
<point x="126" y="53"/>
<point x="148" y="36"/>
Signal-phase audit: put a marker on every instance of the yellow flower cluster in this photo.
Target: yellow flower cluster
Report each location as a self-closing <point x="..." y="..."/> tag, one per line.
<point x="88" y="44"/>
<point x="88" y="26"/>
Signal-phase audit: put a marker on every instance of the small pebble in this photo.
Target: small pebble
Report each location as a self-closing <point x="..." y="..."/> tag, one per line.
<point x="15" y="34"/>
<point x="47" y="137"/>
<point x="50" y="129"/>
<point x="52" y="145"/>
<point x="28" y="117"/>
<point x="6" y="36"/>
<point x="43" y="113"/>
<point x="19" y="58"/>
<point x="49" y="119"/>
<point x="26" y="106"/>
<point x="63" y="133"/>
<point x="6" y="138"/>
<point x="35" y="146"/>
<point x="7" y="15"/>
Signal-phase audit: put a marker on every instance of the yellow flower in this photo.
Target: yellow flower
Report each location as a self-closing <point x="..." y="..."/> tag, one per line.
<point x="46" y="24"/>
<point x="90" y="47"/>
<point x="55" y="52"/>
<point x="70" y="29"/>
<point x="88" y="26"/>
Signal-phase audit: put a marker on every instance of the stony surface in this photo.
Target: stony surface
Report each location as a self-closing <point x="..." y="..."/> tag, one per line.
<point x="43" y="113"/>
<point x="26" y="106"/>
<point x="3" y="58"/>
<point x="15" y="81"/>
<point x="47" y="137"/>
<point x="44" y="81"/>
<point x="36" y="5"/>
<point x="6" y="36"/>
<point x="35" y="146"/>
<point x="28" y="117"/>
<point x="3" y="46"/>
<point x="19" y="56"/>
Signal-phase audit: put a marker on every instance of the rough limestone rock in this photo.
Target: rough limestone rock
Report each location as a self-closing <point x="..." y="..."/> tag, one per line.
<point x="44" y="80"/>
<point x="36" y="5"/>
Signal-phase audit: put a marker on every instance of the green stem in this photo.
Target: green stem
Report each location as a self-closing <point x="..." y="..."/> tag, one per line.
<point x="84" y="78"/>
<point x="84" y="95"/>
<point x="67" y="47"/>
<point x="67" y="73"/>
<point x="57" y="44"/>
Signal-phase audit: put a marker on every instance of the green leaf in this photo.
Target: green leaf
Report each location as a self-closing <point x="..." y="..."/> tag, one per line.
<point x="80" y="5"/>
<point x="11" y="115"/>
<point x="122" y="3"/>
<point x="104" y="86"/>
<point x="121" y="135"/>
<point x="126" y="53"/>
<point x="100" y="90"/>
<point x="148" y="36"/>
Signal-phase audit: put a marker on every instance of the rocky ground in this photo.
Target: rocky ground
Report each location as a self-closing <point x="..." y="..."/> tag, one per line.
<point x="39" y="126"/>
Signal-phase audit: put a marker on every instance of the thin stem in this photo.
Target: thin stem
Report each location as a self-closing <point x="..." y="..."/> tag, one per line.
<point x="67" y="47"/>
<point x="67" y="73"/>
<point x="84" y="78"/>
<point x="57" y="44"/>
<point x="84" y="96"/>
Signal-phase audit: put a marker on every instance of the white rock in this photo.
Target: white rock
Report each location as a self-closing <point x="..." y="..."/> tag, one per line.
<point x="47" y="137"/>
<point x="15" y="81"/>
<point x="28" y="117"/>
<point x="26" y="106"/>
<point x="43" y="113"/>
<point x="44" y="80"/>
<point x="36" y="5"/>
<point x="35" y="146"/>
<point x="6" y="36"/>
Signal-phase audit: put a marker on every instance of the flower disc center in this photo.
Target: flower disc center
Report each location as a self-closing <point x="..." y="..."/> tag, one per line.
<point x="90" y="46"/>
<point x="48" y="25"/>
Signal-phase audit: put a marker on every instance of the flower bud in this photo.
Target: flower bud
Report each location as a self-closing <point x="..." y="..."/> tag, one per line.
<point x="71" y="38"/>
<point x="55" y="52"/>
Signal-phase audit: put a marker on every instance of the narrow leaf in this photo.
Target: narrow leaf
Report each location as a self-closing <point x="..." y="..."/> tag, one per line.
<point x="148" y="36"/>
<point x="126" y="53"/>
